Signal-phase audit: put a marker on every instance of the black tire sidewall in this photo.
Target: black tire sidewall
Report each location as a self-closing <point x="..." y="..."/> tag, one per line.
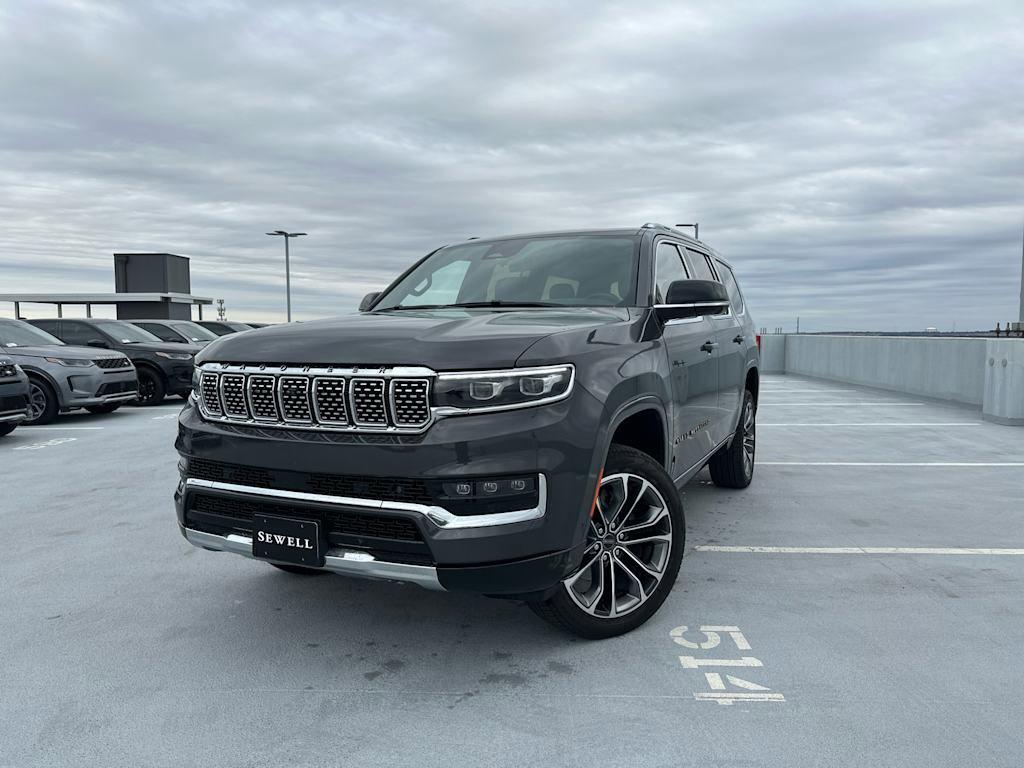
<point x="52" y="405"/>
<point x="159" y="391"/>
<point x="571" y="616"/>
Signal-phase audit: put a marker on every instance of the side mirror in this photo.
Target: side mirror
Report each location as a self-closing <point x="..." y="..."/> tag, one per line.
<point x="693" y="298"/>
<point x="97" y="343"/>
<point x="368" y="300"/>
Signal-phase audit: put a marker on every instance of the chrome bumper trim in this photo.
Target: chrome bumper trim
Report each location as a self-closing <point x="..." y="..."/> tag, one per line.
<point x="20" y="416"/>
<point x="439" y="516"/>
<point x="346" y="562"/>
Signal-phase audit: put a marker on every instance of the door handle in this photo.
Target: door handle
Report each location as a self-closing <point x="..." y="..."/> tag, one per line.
<point x="738" y="339"/>
<point x="709" y="346"/>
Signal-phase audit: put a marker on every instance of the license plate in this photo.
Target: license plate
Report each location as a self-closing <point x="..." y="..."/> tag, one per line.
<point x="287" y="541"/>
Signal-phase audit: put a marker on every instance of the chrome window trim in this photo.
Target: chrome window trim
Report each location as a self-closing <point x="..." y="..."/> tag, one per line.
<point x="439" y="516"/>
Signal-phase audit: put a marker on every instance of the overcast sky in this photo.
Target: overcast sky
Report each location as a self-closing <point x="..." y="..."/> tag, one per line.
<point x="861" y="164"/>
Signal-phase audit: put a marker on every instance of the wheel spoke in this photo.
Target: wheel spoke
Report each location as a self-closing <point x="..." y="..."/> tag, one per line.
<point x="644" y="485"/>
<point x="613" y="607"/>
<point x="649" y="569"/>
<point x="633" y="577"/>
<point x="661" y="514"/>
<point x="660" y="537"/>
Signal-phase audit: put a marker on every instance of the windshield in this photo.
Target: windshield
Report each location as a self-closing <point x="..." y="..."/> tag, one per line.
<point x="18" y="334"/>
<point x="193" y="331"/>
<point x="584" y="270"/>
<point x="125" y="333"/>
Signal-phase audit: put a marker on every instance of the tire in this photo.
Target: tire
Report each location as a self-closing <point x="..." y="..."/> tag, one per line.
<point x="299" y="570"/>
<point x="109" y="408"/>
<point x="42" y="402"/>
<point x="733" y="466"/>
<point x="6" y="429"/>
<point x="643" y="572"/>
<point x="151" y="388"/>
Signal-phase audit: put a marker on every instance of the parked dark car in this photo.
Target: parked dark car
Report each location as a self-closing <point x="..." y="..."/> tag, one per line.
<point x="513" y="417"/>
<point x="223" y="327"/>
<point x="177" y="331"/>
<point x="163" y="368"/>
<point x="65" y="378"/>
<point x="13" y="396"/>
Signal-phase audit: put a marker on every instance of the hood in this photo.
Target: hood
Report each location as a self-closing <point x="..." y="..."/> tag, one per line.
<point x="158" y="346"/>
<point x="442" y="339"/>
<point x="59" y="350"/>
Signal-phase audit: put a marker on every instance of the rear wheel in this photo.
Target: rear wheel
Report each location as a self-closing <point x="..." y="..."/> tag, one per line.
<point x="151" y="388"/>
<point x="42" y="402"/>
<point x="108" y="408"/>
<point x="6" y="429"/>
<point x="298" y="570"/>
<point x="634" y="548"/>
<point x="733" y="467"/>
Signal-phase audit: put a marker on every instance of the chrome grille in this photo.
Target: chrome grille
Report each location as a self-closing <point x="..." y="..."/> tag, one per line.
<point x="294" y="393"/>
<point x="210" y="393"/>
<point x="232" y="392"/>
<point x="262" y="400"/>
<point x="410" y="406"/>
<point x="368" y="406"/>
<point x="328" y="399"/>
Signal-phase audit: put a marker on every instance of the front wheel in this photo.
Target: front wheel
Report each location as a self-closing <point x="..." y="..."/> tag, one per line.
<point x="733" y="466"/>
<point x="6" y="429"/>
<point x="42" y="403"/>
<point x="634" y="548"/>
<point x="151" y="388"/>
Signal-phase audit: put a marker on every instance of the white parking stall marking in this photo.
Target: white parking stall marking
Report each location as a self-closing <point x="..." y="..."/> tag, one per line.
<point x="720" y="688"/>
<point x="166" y="416"/>
<point x="890" y="463"/>
<point x="860" y="550"/>
<point x="48" y="444"/>
<point x="844" y="404"/>
<point x="872" y="424"/>
<point x="35" y="429"/>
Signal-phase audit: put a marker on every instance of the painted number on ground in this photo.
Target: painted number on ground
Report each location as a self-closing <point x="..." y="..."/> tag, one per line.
<point x="722" y="687"/>
<point x="46" y="444"/>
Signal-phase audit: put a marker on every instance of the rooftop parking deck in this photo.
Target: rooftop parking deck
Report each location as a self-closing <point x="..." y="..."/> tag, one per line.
<point x="865" y="594"/>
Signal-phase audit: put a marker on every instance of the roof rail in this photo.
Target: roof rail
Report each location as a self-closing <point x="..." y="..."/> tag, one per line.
<point x="656" y="225"/>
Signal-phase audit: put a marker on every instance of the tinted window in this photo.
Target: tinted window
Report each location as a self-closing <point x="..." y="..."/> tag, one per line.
<point x="125" y="333"/>
<point x="50" y="326"/>
<point x="192" y="331"/>
<point x="161" y="332"/>
<point x="729" y="279"/>
<point x="77" y="333"/>
<point x="18" y="334"/>
<point x="584" y="270"/>
<point x="701" y="267"/>
<point x="668" y="267"/>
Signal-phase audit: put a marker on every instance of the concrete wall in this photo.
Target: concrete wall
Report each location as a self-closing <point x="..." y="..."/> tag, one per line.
<point x="946" y="369"/>
<point x="1004" y="382"/>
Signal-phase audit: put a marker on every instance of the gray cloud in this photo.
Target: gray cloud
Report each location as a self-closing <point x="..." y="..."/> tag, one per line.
<point x="862" y="164"/>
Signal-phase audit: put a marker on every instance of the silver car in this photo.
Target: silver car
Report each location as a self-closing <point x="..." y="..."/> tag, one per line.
<point x="13" y="395"/>
<point x="64" y="378"/>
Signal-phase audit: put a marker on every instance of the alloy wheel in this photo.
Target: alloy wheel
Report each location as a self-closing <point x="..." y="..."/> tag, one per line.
<point x="37" y="401"/>
<point x="628" y="548"/>
<point x="147" y="388"/>
<point x="749" y="438"/>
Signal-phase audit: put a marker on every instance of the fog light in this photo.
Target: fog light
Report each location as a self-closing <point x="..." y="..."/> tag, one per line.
<point x="490" y="487"/>
<point x="518" y="485"/>
<point x="463" y="489"/>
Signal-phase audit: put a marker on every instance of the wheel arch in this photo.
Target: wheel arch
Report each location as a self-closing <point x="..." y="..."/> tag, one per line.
<point x="38" y="373"/>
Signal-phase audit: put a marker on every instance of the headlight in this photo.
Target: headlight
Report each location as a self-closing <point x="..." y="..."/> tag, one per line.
<point x="70" y="362"/>
<point x="502" y="390"/>
<point x="9" y="370"/>
<point x="175" y="355"/>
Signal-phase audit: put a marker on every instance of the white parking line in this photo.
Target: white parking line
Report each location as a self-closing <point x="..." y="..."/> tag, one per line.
<point x="844" y="403"/>
<point x="861" y="550"/>
<point x="873" y="424"/>
<point x="33" y="429"/>
<point x="891" y="463"/>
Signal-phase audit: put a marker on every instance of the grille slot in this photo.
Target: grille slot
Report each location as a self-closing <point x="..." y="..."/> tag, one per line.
<point x="368" y="406"/>
<point x="112" y="362"/>
<point x="409" y="404"/>
<point x="329" y="401"/>
<point x="232" y="393"/>
<point x="323" y="399"/>
<point x="210" y="393"/>
<point x="294" y="392"/>
<point x="262" y="401"/>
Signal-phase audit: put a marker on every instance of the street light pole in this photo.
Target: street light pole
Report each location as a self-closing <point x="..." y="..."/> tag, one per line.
<point x="287" y="264"/>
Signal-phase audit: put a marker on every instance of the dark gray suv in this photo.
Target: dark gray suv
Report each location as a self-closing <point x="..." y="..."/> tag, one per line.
<point x="64" y="378"/>
<point x="512" y="416"/>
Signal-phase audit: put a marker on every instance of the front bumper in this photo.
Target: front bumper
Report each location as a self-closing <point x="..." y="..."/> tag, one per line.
<point x="96" y="386"/>
<point x="523" y="551"/>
